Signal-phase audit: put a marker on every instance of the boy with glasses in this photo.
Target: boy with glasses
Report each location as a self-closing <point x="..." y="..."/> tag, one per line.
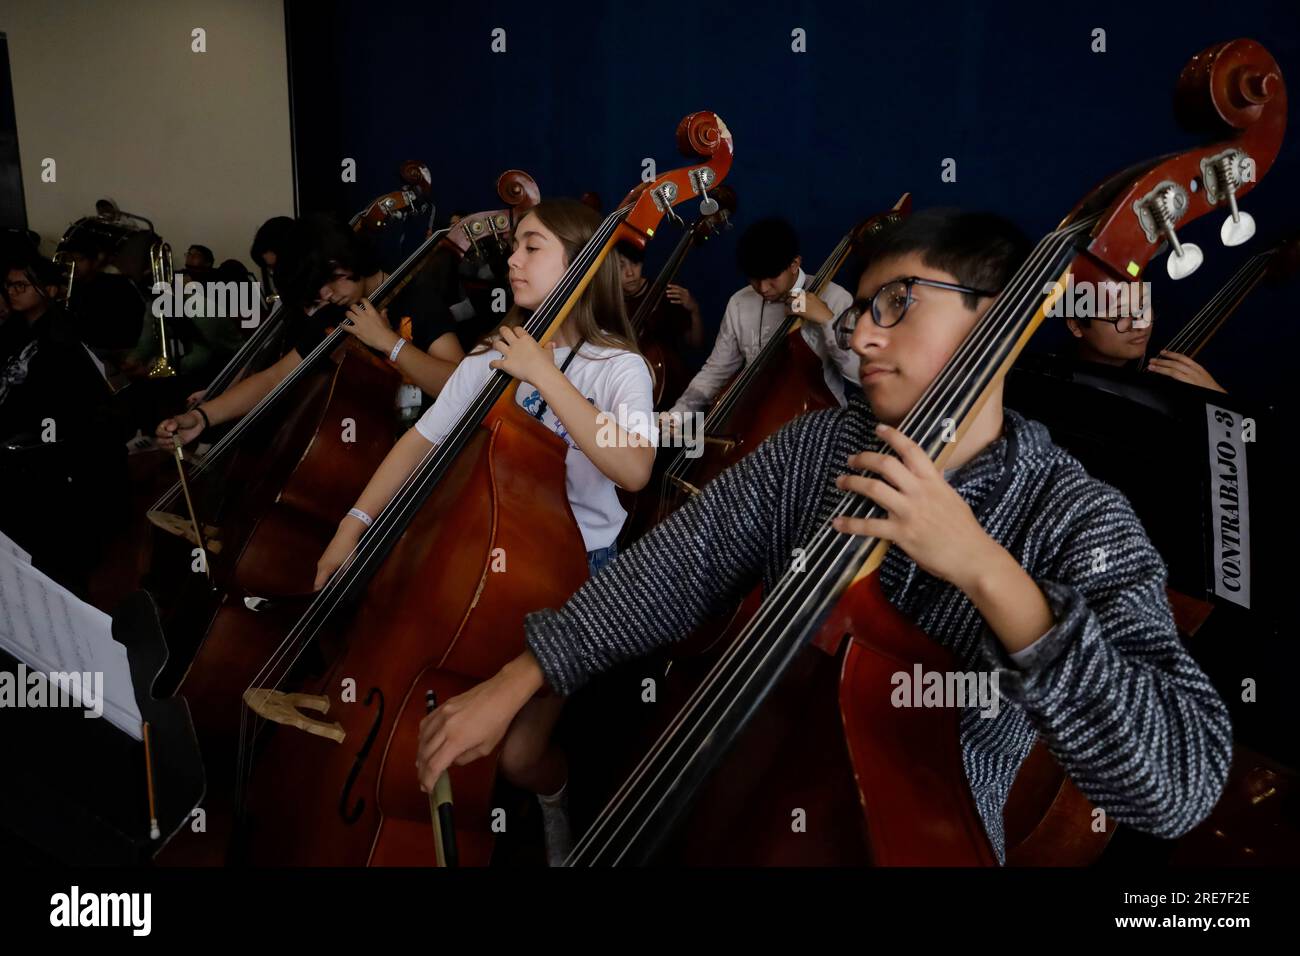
<point x="1119" y="336"/>
<point x="996" y="559"/>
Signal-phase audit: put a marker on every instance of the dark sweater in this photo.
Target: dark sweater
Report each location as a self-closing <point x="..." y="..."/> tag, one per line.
<point x="1124" y="709"/>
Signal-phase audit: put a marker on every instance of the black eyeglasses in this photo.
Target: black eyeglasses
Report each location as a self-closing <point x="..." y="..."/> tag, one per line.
<point x="18" y="286"/>
<point x="889" y="305"/>
<point x="1126" y="323"/>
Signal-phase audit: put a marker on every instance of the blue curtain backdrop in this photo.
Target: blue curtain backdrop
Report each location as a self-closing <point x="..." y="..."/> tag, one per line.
<point x="884" y="93"/>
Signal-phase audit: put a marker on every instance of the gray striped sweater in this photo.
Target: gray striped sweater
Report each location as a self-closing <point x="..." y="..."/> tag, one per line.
<point x="1123" y="708"/>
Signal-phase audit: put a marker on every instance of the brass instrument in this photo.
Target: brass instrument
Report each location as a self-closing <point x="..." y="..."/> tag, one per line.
<point x="68" y="269"/>
<point x="161" y="270"/>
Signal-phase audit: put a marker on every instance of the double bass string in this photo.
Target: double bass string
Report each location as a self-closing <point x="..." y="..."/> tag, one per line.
<point x="1214" y="311"/>
<point x="255" y="341"/>
<point x="308" y="364"/>
<point x="989" y="339"/>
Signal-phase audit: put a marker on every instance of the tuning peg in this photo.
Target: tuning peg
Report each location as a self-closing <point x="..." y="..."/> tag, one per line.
<point x="709" y="205"/>
<point x="1158" y="211"/>
<point x="664" y="197"/>
<point x="701" y="179"/>
<point x="1185" y="259"/>
<point x="1240" y="226"/>
<point x="1222" y="177"/>
<point x="1237" y="229"/>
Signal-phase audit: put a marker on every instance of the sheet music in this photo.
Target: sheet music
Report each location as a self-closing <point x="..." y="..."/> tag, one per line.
<point x="9" y="546"/>
<point x="49" y="630"/>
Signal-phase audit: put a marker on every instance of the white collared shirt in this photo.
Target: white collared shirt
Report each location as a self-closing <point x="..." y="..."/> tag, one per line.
<point x="748" y="324"/>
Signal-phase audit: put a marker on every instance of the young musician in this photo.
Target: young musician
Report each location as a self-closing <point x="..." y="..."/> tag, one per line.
<point x="594" y="370"/>
<point x="269" y="242"/>
<point x="1118" y="337"/>
<point x="677" y="318"/>
<point x="1013" y="558"/>
<point x="341" y="270"/>
<point x="768" y="255"/>
<point x="45" y="370"/>
<point x="61" y="469"/>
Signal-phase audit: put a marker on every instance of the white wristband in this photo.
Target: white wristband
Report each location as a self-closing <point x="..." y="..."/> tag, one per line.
<point x="360" y="515"/>
<point x="392" y="356"/>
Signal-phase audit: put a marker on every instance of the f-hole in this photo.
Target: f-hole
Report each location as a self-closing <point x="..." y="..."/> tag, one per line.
<point x="352" y="816"/>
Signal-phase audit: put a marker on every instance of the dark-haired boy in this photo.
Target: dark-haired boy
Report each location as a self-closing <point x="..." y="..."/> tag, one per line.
<point x="1119" y="337"/>
<point x="1014" y="559"/>
<point x="336" y="270"/>
<point x="768" y="255"/>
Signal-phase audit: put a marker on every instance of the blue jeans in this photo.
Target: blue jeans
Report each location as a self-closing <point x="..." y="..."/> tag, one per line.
<point x="600" y="557"/>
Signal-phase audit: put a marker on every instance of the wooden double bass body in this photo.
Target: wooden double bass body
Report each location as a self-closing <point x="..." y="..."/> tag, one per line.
<point x="495" y="540"/>
<point x="443" y="606"/>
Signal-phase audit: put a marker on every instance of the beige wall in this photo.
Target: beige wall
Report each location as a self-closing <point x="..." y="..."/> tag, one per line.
<point x="110" y="89"/>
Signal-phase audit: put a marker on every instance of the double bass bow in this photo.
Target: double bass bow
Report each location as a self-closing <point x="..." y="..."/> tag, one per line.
<point x="827" y="620"/>
<point x="484" y="524"/>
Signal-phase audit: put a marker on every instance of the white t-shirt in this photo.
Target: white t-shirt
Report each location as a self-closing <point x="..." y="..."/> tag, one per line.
<point x="614" y="380"/>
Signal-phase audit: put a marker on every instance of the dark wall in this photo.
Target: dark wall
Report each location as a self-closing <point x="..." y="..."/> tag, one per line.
<point x="883" y="95"/>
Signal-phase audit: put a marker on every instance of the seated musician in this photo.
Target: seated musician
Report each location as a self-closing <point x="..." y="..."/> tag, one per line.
<point x="677" y="319"/>
<point x="995" y="558"/>
<point x="199" y="260"/>
<point x="269" y="242"/>
<point x="108" y="309"/>
<point x="605" y="375"/>
<point x="768" y="255"/>
<point x="57" y="460"/>
<point x="339" y="269"/>
<point x="1119" y="337"/>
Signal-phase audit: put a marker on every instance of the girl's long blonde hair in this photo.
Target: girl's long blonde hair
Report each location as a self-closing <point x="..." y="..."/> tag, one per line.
<point x="598" y="317"/>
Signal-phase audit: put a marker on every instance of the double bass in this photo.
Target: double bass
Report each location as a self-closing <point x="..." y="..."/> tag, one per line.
<point x="797" y="712"/>
<point x="328" y="425"/>
<point x="484" y="526"/>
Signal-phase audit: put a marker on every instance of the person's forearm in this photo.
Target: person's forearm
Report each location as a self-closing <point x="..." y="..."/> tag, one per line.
<point x="721" y="364"/>
<point x="525" y="675"/>
<point x="627" y="460"/>
<point x="695" y="335"/>
<point x="392" y="472"/>
<point x="425" y="370"/>
<point x="240" y="398"/>
<point x="1009" y="600"/>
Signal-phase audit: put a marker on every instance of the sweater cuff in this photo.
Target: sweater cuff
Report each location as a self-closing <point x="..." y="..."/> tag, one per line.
<point x="554" y="646"/>
<point x="1027" y="676"/>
